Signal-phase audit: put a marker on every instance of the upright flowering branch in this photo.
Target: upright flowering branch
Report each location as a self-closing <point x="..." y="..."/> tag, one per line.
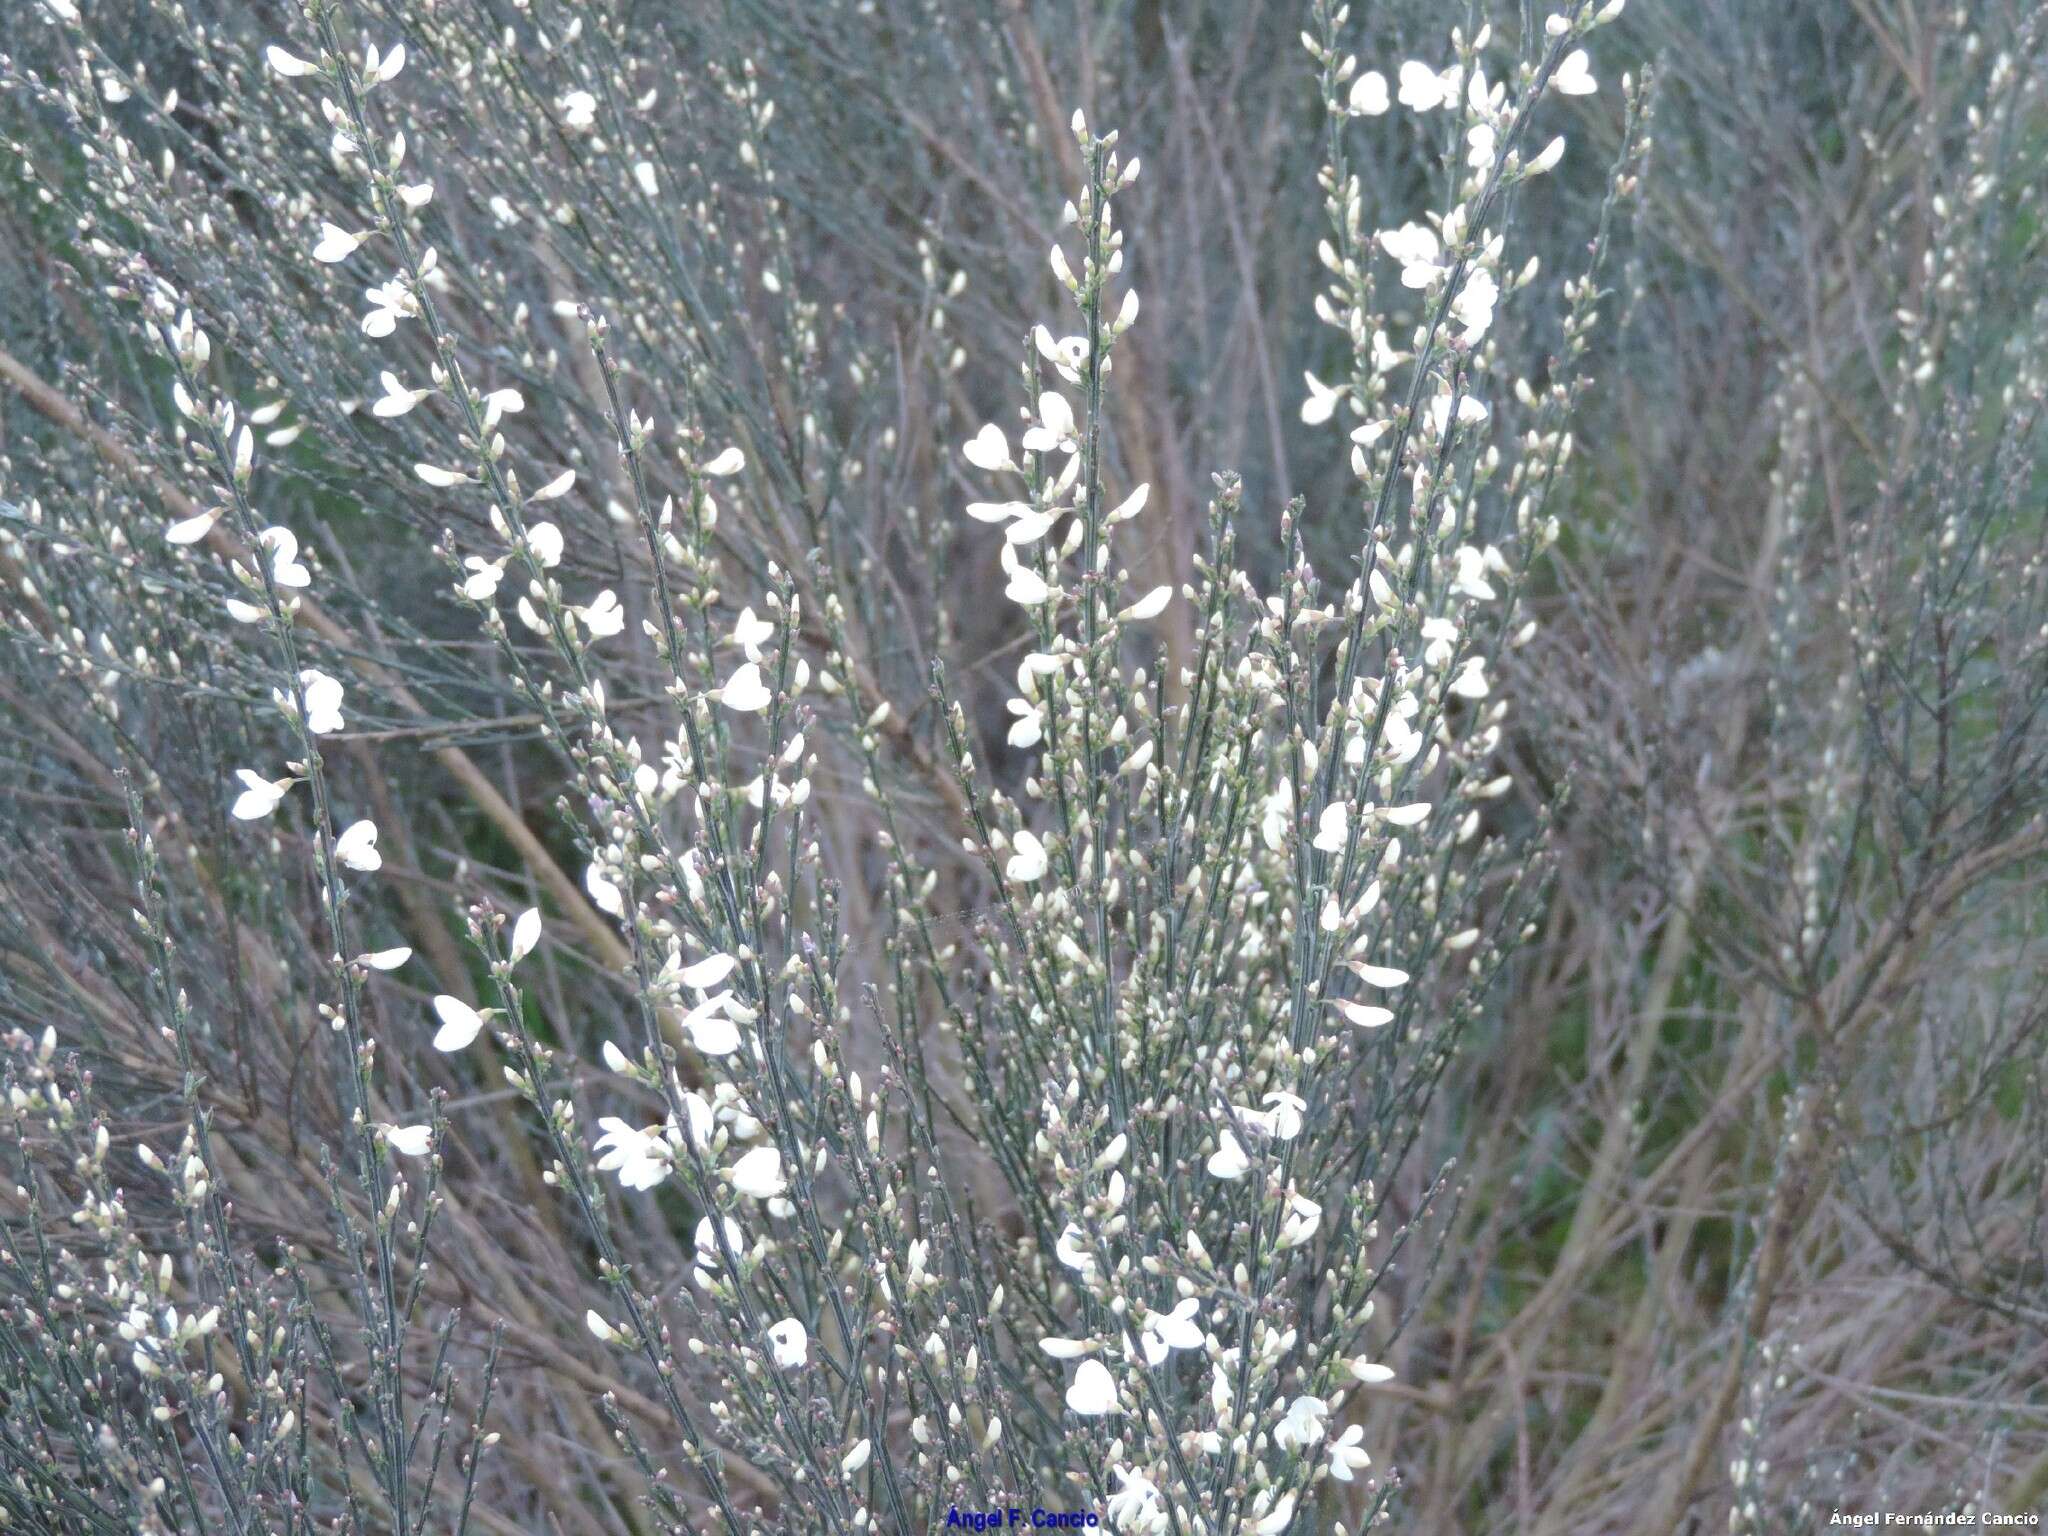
<point x="309" y="702"/>
<point x="1355" y="825"/>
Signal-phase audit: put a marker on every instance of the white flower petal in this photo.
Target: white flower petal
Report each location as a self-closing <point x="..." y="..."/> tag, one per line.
<point x="1150" y="606"/>
<point x="460" y="1023"/>
<point x="356" y="848"/>
<point x="744" y="692"/>
<point x="335" y="244"/>
<point x="192" y="529"/>
<point x="708" y="972"/>
<point x="988" y="449"/>
<point x="1093" y="1392"/>
<point x="759" y="1174"/>
<point x="290" y="66"/>
<point x="1027" y="860"/>
<point x="525" y="934"/>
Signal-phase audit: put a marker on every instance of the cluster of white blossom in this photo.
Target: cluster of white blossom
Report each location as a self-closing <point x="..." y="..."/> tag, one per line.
<point x="1212" y="856"/>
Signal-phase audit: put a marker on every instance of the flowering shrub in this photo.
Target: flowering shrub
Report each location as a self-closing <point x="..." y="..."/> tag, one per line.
<point x="590" y="914"/>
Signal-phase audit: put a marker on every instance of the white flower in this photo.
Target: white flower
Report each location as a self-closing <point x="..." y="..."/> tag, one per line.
<point x="1067" y="1349"/>
<point x="1303" y="1425"/>
<point x="1275" y="1520"/>
<point x="1332" y="827"/>
<point x="1130" y="506"/>
<point x="559" y="486"/>
<point x="389" y="303"/>
<point x="336" y="243"/>
<point x="1473" y="307"/>
<point x="730" y="462"/>
<point x="376" y="71"/>
<point x="191" y="530"/>
<point x="1283" y="1121"/>
<point x="1482" y="140"/>
<point x="1072" y="1250"/>
<point x="1029" y="526"/>
<point x="1470" y="578"/>
<point x="789" y="1343"/>
<point x="603" y="617"/>
<point x="1055" y="429"/>
<point x="997" y="511"/>
<point x="1150" y="606"/>
<point x="1385" y="977"/>
<point x="759" y="1174"/>
<point x="1369" y="94"/>
<point x="1165" y="1332"/>
<point x="1136" y="1506"/>
<point x="259" y="796"/>
<point x="601" y="1330"/>
<point x="1220" y="1395"/>
<point x="707" y="973"/>
<point x="1470" y="682"/>
<point x="1027" y="588"/>
<point x="988" y="449"/>
<point x="1413" y="814"/>
<point x="1303" y="1217"/>
<point x="750" y="633"/>
<point x="525" y="934"/>
<point x="707" y="1236"/>
<point x="643" y="175"/>
<point x="1276" y="815"/>
<point x="1417" y="249"/>
<point x="1363" y="1015"/>
<point x="1574" y="75"/>
<point x="1028" y="729"/>
<point x="639" y="1157"/>
<point x="578" y="109"/>
<point x="356" y="849"/>
<point x="1422" y="88"/>
<point x="290" y="66"/>
<point x="1370" y="1372"/>
<point x="697" y="1114"/>
<point x="1347" y="1454"/>
<point x="544" y="542"/>
<point x="1321" y="403"/>
<point x="856" y="1458"/>
<point x="386" y="959"/>
<point x="1094" y="1390"/>
<point x="604" y="891"/>
<point x="397" y="399"/>
<point x="460" y="1023"/>
<point x="1442" y="635"/>
<point x="744" y="693"/>
<point x="323" y="702"/>
<point x="1471" y="412"/>
<point x="1548" y="159"/>
<point x="1028" y="860"/>
<point x="1229" y="1161"/>
<point x="410" y="1140"/>
<point x="710" y="1026"/>
<point x="439" y="478"/>
<point x="283" y="546"/>
<point x="500" y="403"/>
